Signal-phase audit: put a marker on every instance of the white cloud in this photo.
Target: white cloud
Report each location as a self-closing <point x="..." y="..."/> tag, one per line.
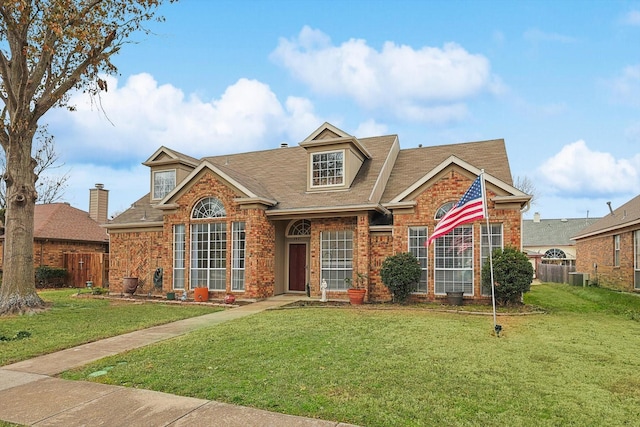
<point x="142" y="115"/>
<point x="577" y="170"/>
<point x="411" y="83"/>
<point x="370" y="128"/>
<point x="626" y="86"/>
<point x="632" y="18"/>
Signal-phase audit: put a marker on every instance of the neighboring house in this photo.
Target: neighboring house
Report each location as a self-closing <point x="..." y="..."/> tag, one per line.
<point x="609" y="250"/>
<point x="66" y="237"/>
<point x="284" y="220"/>
<point x="550" y="241"/>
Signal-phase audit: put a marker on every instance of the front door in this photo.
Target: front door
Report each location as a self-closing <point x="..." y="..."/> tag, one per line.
<point x="297" y="266"/>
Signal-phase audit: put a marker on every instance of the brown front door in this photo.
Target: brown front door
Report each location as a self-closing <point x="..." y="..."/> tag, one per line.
<point x="297" y="266"/>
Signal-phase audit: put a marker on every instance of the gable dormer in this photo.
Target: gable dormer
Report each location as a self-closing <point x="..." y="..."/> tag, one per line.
<point x="334" y="158"/>
<point x="168" y="169"/>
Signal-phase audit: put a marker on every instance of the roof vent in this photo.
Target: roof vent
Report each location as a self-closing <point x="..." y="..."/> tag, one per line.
<point x="99" y="186"/>
<point x="284" y="145"/>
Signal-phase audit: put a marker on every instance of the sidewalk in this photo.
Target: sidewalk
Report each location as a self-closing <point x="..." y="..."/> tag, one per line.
<point x="30" y="395"/>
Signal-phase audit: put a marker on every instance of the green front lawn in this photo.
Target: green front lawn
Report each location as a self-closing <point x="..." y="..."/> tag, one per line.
<point x="579" y="364"/>
<point x="72" y="321"/>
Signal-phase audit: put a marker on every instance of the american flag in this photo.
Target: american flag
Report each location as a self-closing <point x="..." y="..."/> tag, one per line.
<point x="468" y="209"/>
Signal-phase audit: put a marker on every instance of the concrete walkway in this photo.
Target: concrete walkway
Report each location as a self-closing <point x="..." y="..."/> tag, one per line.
<point x="30" y="395"/>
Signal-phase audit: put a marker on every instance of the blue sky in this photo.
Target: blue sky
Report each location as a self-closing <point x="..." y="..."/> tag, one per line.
<point x="558" y="80"/>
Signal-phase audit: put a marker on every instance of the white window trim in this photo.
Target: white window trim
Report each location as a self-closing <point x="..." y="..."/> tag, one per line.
<point x="238" y="256"/>
<point x="421" y="246"/>
<point x="471" y="268"/>
<point x="329" y="269"/>
<point x="153" y="183"/>
<point x="616" y="250"/>
<point x="344" y="169"/>
<point x="179" y="247"/>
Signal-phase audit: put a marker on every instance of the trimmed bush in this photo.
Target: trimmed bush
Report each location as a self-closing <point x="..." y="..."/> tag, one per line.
<point x="50" y="277"/>
<point x="401" y="273"/>
<point x="512" y="275"/>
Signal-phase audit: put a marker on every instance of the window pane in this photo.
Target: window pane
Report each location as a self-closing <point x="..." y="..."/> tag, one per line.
<point x="178" y="256"/>
<point x="454" y="261"/>
<point x="336" y="258"/>
<point x="163" y="183"/>
<point x="328" y="168"/>
<point x="418" y="247"/>
<point x="209" y="255"/>
<point x="496" y="243"/>
<point x="237" y="257"/>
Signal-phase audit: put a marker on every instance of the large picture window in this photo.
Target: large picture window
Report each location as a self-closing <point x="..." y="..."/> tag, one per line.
<point x="237" y="256"/>
<point x="336" y="258"/>
<point x="454" y="261"/>
<point x="494" y="235"/>
<point x="163" y="183"/>
<point x="209" y="256"/>
<point x="178" y="256"/>
<point x="418" y="247"/>
<point x="327" y="169"/>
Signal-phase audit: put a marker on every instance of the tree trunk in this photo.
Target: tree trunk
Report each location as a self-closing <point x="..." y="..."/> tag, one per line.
<point x="18" y="291"/>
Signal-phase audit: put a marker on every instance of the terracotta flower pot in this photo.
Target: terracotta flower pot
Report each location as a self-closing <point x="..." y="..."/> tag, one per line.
<point x="201" y="294"/>
<point x="356" y="296"/>
<point x="229" y="299"/>
<point x="130" y="284"/>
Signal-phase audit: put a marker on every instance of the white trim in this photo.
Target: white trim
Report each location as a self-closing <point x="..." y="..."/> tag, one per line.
<point x="344" y="169"/>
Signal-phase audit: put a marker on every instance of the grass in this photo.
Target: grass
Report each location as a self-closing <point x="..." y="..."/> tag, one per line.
<point x="576" y="365"/>
<point x="72" y="321"/>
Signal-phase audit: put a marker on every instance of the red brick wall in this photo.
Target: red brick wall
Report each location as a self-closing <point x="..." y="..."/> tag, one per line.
<point x="140" y="253"/>
<point x="450" y="188"/>
<point x="600" y="250"/>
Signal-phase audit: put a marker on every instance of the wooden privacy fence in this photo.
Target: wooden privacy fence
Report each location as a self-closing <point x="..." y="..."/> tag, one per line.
<point x="554" y="273"/>
<point x="85" y="267"/>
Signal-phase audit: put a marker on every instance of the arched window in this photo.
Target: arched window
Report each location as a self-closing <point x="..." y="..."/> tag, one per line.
<point x="209" y="207"/>
<point x="555" y="254"/>
<point x="444" y="209"/>
<point x="300" y="228"/>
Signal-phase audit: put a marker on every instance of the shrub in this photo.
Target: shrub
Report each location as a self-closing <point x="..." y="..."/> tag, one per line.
<point x="512" y="275"/>
<point x="50" y="276"/>
<point x="401" y="273"/>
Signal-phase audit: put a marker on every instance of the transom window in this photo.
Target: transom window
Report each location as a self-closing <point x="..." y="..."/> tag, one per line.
<point x="300" y="228"/>
<point x="327" y="169"/>
<point x="209" y="207"/>
<point x="443" y="209"/>
<point x="163" y="183"/>
<point x="555" y="254"/>
<point x="454" y="261"/>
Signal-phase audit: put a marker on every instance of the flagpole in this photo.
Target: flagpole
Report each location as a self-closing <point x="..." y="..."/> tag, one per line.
<point x="486" y="215"/>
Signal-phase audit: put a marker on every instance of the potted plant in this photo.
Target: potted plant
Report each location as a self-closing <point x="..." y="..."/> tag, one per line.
<point x="201" y="294"/>
<point x="358" y="290"/>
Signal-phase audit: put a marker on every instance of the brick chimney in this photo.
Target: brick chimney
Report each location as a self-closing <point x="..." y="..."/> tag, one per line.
<point x="99" y="204"/>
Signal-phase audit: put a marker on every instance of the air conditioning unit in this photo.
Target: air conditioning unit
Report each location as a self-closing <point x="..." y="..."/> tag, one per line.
<point x="579" y="279"/>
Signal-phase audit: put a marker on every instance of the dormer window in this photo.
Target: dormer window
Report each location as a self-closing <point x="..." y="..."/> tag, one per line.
<point x="163" y="183"/>
<point x="327" y="168"/>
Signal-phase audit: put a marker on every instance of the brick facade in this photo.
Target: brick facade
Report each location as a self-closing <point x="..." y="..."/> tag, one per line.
<point x="595" y="255"/>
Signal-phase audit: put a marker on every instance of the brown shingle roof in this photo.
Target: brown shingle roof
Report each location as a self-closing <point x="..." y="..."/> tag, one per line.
<point x="414" y="163"/>
<point x="626" y="215"/>
<point x="61" y="221"/>
<point x="282" y="173"/>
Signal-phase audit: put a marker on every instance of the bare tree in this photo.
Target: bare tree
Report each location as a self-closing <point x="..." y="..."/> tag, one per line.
<point x="524" y="184"/>
<point x="50" y="188"/>
<point x="48" y="48"/>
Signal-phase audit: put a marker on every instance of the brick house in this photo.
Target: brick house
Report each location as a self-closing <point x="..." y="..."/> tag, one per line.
<point x="609" y="250"/>
<point x="550" y="241"/>
<point x="70" y="238"/>
<point x="264" y="223"/>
